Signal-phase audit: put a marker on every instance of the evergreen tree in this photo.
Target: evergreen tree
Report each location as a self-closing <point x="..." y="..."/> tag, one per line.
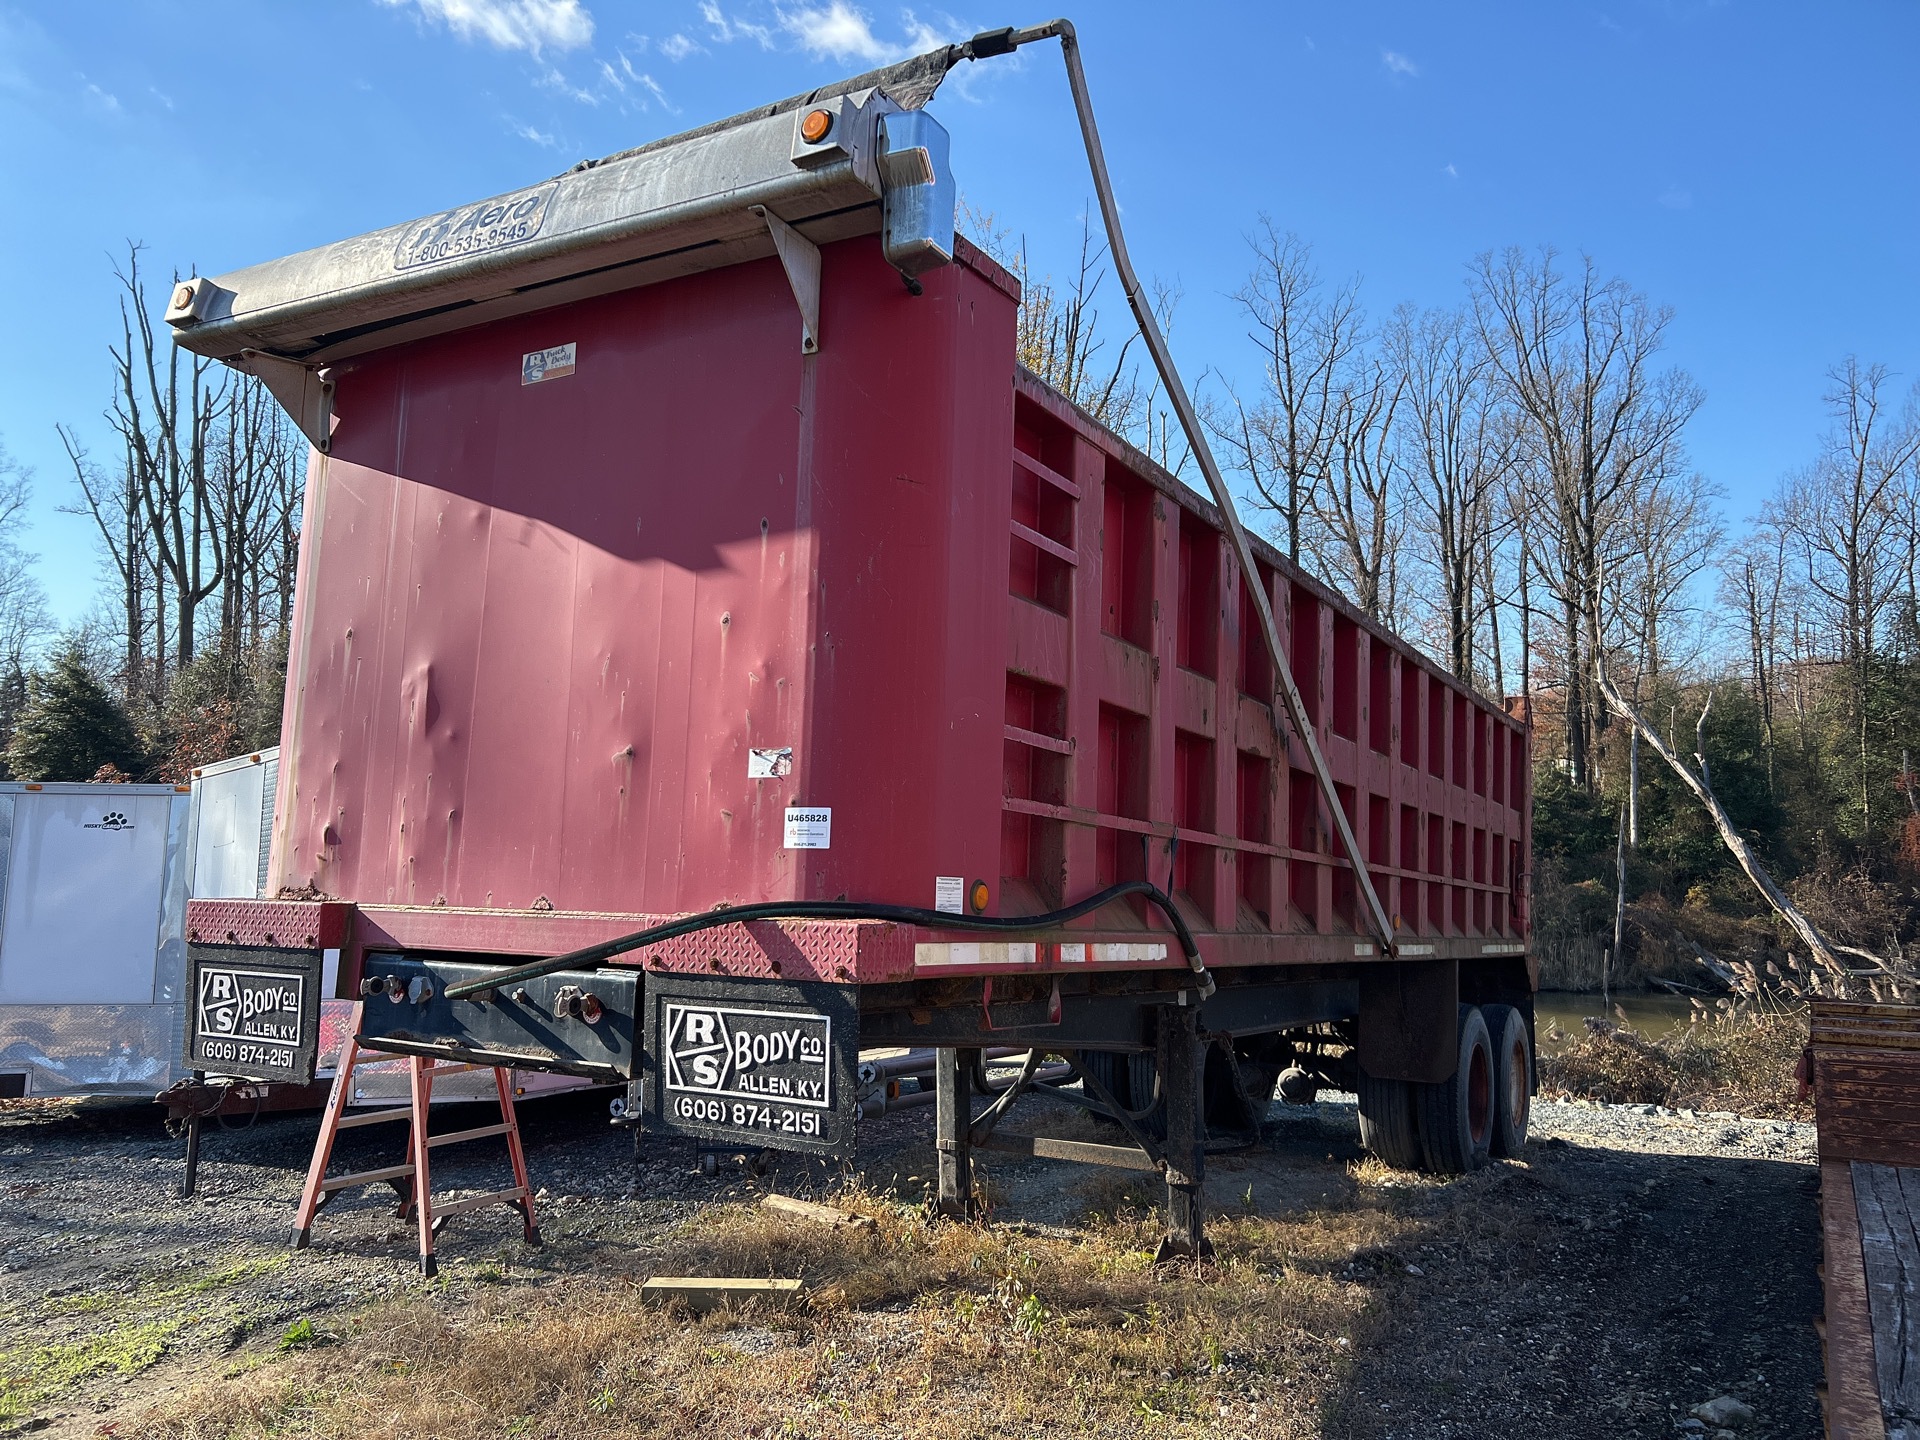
<point x="71" y="724"/>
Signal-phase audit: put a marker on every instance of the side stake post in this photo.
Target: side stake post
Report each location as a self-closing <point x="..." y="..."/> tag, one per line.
<point x="1183" y="1057"/>
<point x="953" y="1119"/>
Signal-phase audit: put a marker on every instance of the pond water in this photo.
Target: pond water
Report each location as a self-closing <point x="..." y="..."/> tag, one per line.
<point x="1652" y="1014"/>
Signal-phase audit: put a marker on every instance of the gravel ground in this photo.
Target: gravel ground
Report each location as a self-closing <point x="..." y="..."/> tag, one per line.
<point x="1634" y="1264"/>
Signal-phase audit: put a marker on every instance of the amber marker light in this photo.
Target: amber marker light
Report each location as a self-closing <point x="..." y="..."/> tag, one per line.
<point x="979" y="896"/>
<point x="814" y="128"/>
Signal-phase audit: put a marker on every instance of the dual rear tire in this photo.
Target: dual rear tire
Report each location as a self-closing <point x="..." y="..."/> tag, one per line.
<point x="1454" y="1126"/>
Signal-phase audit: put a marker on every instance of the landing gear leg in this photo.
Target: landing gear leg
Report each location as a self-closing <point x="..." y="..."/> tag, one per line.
<point x="953" y="1119"/>
<point x="1183" y="1057"/>
<point x="191" y="1180"/>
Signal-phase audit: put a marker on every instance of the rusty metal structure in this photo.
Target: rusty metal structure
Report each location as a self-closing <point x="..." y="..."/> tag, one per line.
<point x="712" y="655"/>
<point x="1862" y="1071"/>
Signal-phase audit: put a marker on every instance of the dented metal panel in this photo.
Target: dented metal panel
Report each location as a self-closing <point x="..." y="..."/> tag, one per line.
<point x="542" y="628"/>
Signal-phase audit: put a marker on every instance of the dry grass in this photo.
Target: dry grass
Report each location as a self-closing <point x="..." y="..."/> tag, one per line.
<point x="913" y="1331"/>
<point x="1740" y="1060"/>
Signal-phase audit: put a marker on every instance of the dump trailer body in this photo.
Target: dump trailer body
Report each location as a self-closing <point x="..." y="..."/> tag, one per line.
<point x="580" y="648"/>
<point x="781" y="581"/>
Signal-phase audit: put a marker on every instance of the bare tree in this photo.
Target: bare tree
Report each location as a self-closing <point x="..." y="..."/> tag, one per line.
<point x="1753" y="580"/>
<point x="1848" y="522"/>
<point x="165" y="410"/>
<point x="1666" y="535"/>
<point x="1458" y="444"/>
<point x="1284" y="441"/>
<point x="1358" y="506"/>
<point x="24" y="618"/>
<point x="1575" y="355"/>
<point x="111" y="497"/>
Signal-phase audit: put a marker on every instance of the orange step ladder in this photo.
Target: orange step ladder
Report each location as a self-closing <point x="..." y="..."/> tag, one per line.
<point x="417" y="1171"/>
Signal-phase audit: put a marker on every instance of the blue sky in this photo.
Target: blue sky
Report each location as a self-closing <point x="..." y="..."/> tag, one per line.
<point x="1752" y="165"/>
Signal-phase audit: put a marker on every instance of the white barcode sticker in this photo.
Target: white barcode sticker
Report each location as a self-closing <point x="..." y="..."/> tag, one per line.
<point x="809" y="827"/>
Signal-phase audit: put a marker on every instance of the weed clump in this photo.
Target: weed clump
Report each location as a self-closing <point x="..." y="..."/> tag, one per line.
<point x="1740" y="1058"/>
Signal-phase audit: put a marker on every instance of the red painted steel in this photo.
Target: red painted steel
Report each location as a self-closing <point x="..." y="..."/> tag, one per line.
<point x="539" y="628"/>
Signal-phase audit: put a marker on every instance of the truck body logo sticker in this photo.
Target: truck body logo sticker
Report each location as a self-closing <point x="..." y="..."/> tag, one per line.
<point x="248" y="1017"/>
<point x="744" y="1054"/>
<point x="547" y="364"/>
<point x="112" y="820"/>
<point x="475" y="229"/>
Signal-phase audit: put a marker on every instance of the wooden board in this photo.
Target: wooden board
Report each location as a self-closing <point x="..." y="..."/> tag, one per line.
<point x="1866" y="1081"/>
<point x="1853" y="1393"/>
<point x="1887" y="1199"/>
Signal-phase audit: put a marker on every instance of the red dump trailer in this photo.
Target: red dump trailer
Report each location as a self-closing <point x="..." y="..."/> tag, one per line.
<point x="682" y="535"/>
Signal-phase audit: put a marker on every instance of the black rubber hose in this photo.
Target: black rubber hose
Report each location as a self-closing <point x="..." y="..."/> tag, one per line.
<point x="843" y="910"/>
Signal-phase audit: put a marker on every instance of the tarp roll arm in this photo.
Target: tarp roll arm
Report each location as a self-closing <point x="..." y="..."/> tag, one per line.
<point x="998" y="42"/>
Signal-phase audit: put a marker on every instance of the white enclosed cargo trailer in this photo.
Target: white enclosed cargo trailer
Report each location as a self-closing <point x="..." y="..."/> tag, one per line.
<point x="94" y="882"/>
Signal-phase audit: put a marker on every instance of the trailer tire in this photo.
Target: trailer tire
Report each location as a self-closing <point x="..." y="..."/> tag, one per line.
<point x="1456" y="1115"/>
<point x="1225" y="1109"/>
<point x="1512" y="1077"/>
<point x="1109" y="1067"/>
<point x="1387" y="1123"/>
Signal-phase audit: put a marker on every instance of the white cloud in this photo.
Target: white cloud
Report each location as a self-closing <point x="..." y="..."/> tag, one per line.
<point x="1450" y="172"/>
<point x="554" y="80"/>
<point x="726" y="28"/>
<point x="837" y="30"/>
<point x="1676" y="198"/>
<point x="1398" y="64"/>
<point x="538" y="137"/>
<point x="654" y="89"/>
<point x="677" y="47"/>
<point x="102" y="99"/>
<point x="532" y="25"/>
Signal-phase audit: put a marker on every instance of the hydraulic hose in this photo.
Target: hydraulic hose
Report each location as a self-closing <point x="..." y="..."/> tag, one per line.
<point x="999" y="42"/>
<point x="848" y="910"/>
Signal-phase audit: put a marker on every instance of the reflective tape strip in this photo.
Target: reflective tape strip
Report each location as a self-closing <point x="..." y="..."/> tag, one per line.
<point x="990" y="953"/>
<point x="1114" y="954"/>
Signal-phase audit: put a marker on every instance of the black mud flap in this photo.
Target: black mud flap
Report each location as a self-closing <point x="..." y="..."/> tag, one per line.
<point x="753" y="1063"/>
<point x="255" y="1012"/>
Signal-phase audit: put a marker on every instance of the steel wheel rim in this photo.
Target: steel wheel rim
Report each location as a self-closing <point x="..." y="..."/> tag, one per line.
<point x="1480" y="1093"/>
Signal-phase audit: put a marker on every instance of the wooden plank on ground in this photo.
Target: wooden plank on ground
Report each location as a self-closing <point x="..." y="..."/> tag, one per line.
<point x="1890" y="1248"/>
<point x="1085" y="1152"/>
<point x="1853" y="1394"/>
<point x="820" y="1214"/>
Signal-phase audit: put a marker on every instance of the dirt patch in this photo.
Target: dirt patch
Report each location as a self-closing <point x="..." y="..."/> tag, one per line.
<point x="1629" y="1267"/>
